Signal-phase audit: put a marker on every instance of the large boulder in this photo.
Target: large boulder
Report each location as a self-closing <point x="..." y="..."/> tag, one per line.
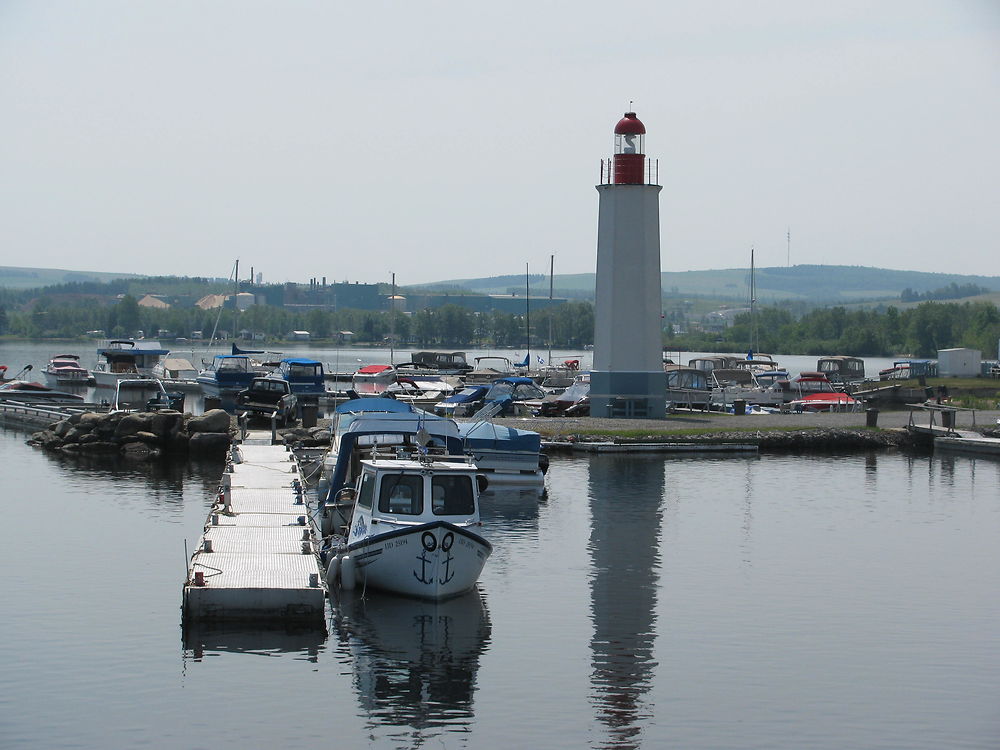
<point x="209" y="443"/>
<point x="107" y="424"/>
<point x="215" y="420"/>
<point x="47" y="439"/>
<point x="165" y="424"/>
<point x="62" y="428"/>
<point x="130" y="424"/>
<point x="90" y="420"/>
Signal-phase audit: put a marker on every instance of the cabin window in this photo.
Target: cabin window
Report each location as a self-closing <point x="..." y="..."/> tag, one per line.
<point x="452" y="496"/>
<point x="367" y="491"/>
<point x="402" y="494"/>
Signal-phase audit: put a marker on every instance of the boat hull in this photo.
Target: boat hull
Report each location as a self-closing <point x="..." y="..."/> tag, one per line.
<point x="427" y="561"/>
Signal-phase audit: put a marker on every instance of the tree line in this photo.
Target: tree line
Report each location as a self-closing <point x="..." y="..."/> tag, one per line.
<point x="952" y="291"/>
<point x="920" y="331"/>
<point x="569" y="326"/>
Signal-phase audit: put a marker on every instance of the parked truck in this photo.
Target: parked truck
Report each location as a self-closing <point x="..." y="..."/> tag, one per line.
<point x="267" y="396"/>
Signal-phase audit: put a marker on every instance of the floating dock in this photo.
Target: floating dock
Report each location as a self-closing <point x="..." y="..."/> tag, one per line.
<point x="257" y="557"/>
<point x="975" y="444"/>
<point x="40" y="414"/>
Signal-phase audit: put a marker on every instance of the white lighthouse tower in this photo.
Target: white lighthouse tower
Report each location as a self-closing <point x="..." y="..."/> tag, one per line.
<point x="627" y="379"/>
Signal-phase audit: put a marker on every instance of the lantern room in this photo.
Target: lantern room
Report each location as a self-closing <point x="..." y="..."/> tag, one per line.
<point x="630" y="150"/>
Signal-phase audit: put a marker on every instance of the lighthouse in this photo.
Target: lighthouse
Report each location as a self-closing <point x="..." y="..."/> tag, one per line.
<point x="627" y="379"/>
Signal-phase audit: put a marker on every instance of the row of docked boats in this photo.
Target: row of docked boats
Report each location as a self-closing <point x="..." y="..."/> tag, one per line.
<point x="398" y="498"/>
<point x="729" y="382"/>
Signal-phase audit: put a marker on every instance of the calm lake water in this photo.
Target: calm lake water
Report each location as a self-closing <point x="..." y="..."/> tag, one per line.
<point x="771" y="602"/>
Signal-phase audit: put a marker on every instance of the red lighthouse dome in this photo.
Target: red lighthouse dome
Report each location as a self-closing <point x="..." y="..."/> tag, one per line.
<point x="630" y="149"/>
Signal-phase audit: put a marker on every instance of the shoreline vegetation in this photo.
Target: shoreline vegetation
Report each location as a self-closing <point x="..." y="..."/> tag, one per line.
<point x="912" y="322"/>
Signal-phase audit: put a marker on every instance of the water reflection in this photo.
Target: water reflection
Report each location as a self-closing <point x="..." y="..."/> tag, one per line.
<point x="415" y="662"/>
<point x="203" y="639"/>
<point x="164" y="478"/>
<point x="511" y="509"/>
<point x="625" y="496"/>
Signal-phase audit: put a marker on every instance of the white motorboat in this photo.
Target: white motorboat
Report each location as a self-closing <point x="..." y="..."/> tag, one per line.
<point x="177" y="373"/>
<point x="65" y="369"/>
<point x="414" y="526"/>
<point x="140" y="394"/>
<point x="124" y="359"/>
<point x="24" y="391"/>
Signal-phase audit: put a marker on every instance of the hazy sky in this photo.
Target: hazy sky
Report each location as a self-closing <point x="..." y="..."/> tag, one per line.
<point x="449" y="140"/>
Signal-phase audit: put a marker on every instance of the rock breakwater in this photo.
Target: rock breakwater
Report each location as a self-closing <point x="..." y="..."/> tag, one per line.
<point x="140" y="435"/>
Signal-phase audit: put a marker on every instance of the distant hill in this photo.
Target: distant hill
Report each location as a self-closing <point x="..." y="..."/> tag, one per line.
<point x="819" y="284"/>
<point x="30" y="278"/>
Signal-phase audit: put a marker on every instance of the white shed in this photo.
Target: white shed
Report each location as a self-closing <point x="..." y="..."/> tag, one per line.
<point x="959" y="363"/>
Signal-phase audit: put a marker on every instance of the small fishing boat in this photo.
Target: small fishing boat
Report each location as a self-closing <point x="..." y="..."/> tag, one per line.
<point x="141" y="394"/>
<point x="372" y="380"/>
<point x="304" y="376"/>
<point x="813" y="391"/>
<point x="420" y="390"/>
<point x="65" y="369"/>
<point x="841" y="369"/>
<point x="488" y="369"/>
<point x="177" y="373"/>
<point x="574" y="401"/>
<point x="227" y="375"/>
<point x="462" y="403"/>
<point x="414" y="526"/>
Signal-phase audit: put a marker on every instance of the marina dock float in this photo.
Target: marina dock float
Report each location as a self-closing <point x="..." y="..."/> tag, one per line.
<point x="257" y="557"/>
<point x="975" y="444"/>
<point x="34" y="414"/>
<point x="941" y="422"/>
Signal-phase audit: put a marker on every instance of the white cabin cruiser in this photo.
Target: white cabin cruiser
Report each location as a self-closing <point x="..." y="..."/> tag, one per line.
<point x="414" y="526"/>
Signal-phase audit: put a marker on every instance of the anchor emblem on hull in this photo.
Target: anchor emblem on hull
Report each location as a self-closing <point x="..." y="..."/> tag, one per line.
<point x="449" y="539"/>
<point x="429" y="542"/>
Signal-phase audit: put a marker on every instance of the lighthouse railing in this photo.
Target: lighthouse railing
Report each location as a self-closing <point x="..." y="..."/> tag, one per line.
<point x="651" y="172"/>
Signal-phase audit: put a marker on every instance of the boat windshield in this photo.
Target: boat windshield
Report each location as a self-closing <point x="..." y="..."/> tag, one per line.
<point x="451" y="495"/>
<point x="402" y="494"/>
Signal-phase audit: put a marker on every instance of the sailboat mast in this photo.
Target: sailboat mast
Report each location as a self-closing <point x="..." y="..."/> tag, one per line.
<point x="392" y="321"/>
<point x="527" y="318"/>
<point x="552" y="261"/>
<point x="236" y="301"/>
<point x="753" y="302"/>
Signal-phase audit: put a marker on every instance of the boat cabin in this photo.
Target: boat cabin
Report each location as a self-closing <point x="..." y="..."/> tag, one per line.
<point x="841" y="369"/>
<point x="446" y="363"/>
<point x="127" y="355"/>
<point x="305" y="376"/>
<point x="688" y="386"/>
<point x="390" y="489"/>
<point x="904" y="369"/>
<point x="720" y="361"/>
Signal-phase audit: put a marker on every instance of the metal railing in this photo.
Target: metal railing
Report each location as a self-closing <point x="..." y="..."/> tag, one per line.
<point x="651" y="172"/>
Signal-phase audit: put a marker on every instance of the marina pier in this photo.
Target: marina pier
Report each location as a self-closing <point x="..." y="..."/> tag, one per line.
<point x="256" y="559"/>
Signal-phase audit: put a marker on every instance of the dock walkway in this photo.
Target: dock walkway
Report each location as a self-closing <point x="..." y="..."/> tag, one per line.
<point x="256" y="559"/>
<point x="24" y="413"/>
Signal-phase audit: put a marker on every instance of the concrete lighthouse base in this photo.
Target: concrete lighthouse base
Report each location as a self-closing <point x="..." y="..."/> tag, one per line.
<point x="628" y="395"/>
